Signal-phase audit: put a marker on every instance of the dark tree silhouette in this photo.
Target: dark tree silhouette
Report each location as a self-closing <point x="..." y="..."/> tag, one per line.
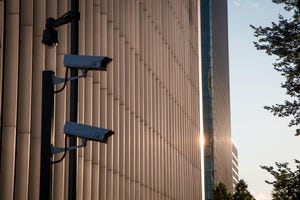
<point x="287" y="182"/>
<point x="282" y="39"/>
<point x="241" y="191"/>
<point x="221" y="192"/>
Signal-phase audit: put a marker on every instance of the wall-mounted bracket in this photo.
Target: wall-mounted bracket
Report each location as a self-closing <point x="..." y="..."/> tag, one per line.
<point x="56" y="150"/>
<point x="57" y="80"/>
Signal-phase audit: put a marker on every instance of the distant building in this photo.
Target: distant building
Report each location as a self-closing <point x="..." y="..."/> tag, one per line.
<point x="235" y="164"/>
<point x="216" y="95"/>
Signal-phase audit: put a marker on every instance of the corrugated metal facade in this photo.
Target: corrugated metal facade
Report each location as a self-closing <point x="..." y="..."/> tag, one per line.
<point x="149" y="96"/>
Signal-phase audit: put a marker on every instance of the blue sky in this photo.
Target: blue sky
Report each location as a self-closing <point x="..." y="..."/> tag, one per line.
<point x="261" y="138"/>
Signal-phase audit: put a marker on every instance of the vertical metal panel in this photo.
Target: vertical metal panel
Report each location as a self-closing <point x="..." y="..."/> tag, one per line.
<point x="59" y="176"/>
<point x="96" y="102"/>
<point x="137" y="103"/>
<point x="127" y="99"/>
<point x="81" y="101"/>
<point x="9" y="106"/>
<point x="122" y="69"/>
<point x="110" y="103"/>
<point x="37" y="67"/>
<point x="1" y="57"/>
<point x="24" y="101"/>
<point x="141" y="102"/>
<point x="116" y="98"/>
<point x="132" y="98"/>
<point x="88" y="100"/>
<point x="103" y="100"/>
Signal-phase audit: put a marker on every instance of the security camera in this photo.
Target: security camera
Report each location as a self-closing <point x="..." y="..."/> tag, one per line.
<point x="86" y="62"/>
<point x="87" y="132"/>
<point x="50" y="36"/>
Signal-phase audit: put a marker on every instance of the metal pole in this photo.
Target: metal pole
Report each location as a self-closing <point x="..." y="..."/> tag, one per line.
<point x="47" y="116"/>
<point x="73" y="102"/>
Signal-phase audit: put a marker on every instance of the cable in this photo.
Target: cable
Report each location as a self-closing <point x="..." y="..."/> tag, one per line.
<point x="65" y="83"/>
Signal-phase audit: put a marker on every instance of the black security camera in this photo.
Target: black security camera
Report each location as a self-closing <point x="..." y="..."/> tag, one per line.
<point x="50" y="34"/>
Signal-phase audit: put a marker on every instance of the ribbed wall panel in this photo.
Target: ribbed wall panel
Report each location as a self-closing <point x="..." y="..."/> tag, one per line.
<point x="24" y="101"/>
<point x="149" y="96"/>
<point x="1" y="53"/>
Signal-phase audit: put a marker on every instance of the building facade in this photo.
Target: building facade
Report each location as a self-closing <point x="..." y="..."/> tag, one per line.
<point x="235" y="164"/>
<point x="216" y="95"/>
<point x="150" y="98"/>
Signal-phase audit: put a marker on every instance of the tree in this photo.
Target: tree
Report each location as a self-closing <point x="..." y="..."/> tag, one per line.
<point x="220" y="192"/>
<point x="241" y="191"/>
<point x="287" y="182"/>
<point x="282" y="39"/>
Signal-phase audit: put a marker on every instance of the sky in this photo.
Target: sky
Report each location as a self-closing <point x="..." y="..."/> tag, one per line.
<point x="262" y="138"/>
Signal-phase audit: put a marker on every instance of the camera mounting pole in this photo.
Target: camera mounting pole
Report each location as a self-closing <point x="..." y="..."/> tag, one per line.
<point x="47" y="116"/>
<point x="50" y="37"/>
<point x="73" y="103"/>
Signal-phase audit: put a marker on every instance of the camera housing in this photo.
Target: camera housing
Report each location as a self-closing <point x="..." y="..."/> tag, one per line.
<point x="87" y="132"/>
<point x="50" y="36"/>
<point x="84" y="62"/>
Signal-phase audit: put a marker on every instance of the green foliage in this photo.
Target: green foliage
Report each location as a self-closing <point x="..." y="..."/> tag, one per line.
<point x="221" y="192"/>
<point x="282" y="39"/>
<point x="241" y="192"/>
<point x="287" y="182"/>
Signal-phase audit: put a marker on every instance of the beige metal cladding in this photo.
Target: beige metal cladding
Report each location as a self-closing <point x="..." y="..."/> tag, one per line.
<point x="149" y="96"/>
